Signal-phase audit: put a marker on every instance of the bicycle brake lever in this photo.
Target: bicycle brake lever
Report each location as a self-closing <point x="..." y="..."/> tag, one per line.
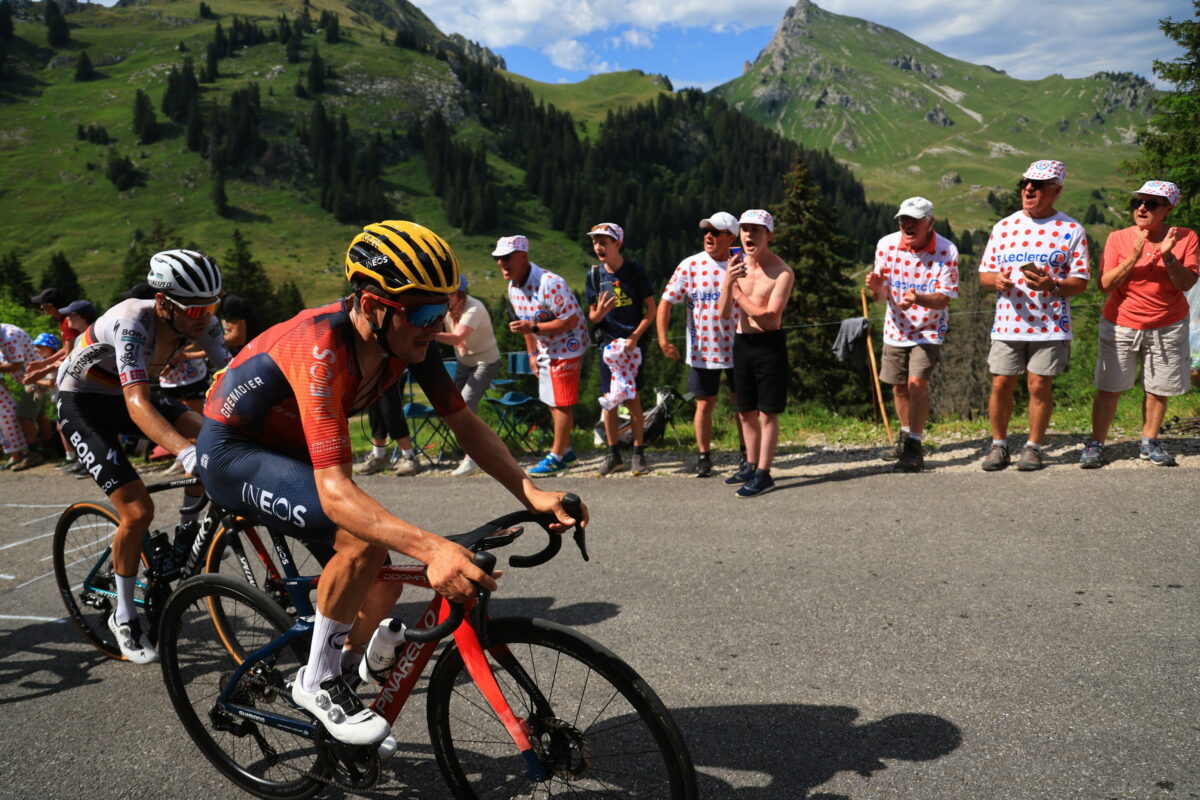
<point x="581" y="540"/>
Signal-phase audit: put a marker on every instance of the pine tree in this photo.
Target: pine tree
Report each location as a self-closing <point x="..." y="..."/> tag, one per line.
<point x="807" y="241"/>
<point x="120" y="170"/>
<point x="84" y="71"/>
<point x="136" y="264"/>
<point x="194" y="126"/>
<point x="59" y="275"/>
<point x="3" y="58"/>
<point x="212" y="58"/>
<point x="6" y="20"/>
<point x="1171" y="141"/>
<point x="145" y="123"/>
<point x="242" y="275"/>
<point x="220" y="199"/>
<point x="316" y="73"/>
<point x="291" y="49"/>
<point x="206" y="12"/>
<point x="288" y="301"/>
<point x="58" y="33"/>
<point x="14" y="281"/>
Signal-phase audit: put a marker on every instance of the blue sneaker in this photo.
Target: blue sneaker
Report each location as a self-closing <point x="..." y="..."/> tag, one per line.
<point x="742" y="475"/>
<point x="760" y="483"/>
<point x="550" y="465"/>
<point x="1154" y="453"/>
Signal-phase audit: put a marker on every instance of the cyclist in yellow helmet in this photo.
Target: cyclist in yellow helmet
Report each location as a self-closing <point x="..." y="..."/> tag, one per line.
<point x="275" y="447"/>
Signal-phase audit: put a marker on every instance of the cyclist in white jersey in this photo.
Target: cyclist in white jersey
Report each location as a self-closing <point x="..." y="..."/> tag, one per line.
<point x="105" y="392"/>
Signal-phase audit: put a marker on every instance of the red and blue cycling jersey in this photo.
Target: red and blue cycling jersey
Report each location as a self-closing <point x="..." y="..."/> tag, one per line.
<point x="296" y="385"/>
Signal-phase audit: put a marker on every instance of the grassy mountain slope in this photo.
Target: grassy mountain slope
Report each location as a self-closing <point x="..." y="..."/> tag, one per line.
<point x="589" y="100"/>
<point x="55" y="196"/>
<point x="910" y="120"/>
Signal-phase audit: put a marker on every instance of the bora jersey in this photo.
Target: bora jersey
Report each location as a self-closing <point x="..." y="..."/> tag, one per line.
<point x="697" y="282"/>
<point x="1056" y="244"/>
<point x="933" y="270"/>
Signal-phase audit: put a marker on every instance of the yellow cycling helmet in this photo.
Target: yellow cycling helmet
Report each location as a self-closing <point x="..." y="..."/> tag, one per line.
<point x="400" y="256"/>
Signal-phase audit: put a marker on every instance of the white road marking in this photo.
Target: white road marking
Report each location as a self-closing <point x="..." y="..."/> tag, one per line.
<point x="33" y="619"/>
<point x="27" y="541"/>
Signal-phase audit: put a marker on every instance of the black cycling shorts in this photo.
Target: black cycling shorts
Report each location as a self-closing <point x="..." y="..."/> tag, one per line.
<point x="272" y="488"/>
<point x="760" y="371"/>
<point x="92" y="424"/>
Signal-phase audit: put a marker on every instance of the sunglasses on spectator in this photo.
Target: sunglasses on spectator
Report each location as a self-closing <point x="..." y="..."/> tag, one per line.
<point x="419" y="316"/>
<point x="1151" y="205"/>
<point x="196" y="312"/>
<point x="1036" y="185"/>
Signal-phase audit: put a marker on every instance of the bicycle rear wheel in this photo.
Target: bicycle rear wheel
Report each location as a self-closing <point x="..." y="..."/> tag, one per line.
<point x="198" y="663"/>
<point x="597" y="726"/>
<point x="247" y="552"/>
<point x="83" y="570"/>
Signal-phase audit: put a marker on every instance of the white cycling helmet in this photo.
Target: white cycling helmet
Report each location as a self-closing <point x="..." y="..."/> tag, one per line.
<point x="185" y="274"/>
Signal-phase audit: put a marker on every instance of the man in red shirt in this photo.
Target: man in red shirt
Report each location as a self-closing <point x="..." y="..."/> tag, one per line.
<point x="1147" y="267"/>
<point x="275" y="447"/>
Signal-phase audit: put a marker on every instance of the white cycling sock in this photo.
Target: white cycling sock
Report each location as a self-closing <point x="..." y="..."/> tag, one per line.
<point x="325" y="655"/>
<point x="126" y="587"/>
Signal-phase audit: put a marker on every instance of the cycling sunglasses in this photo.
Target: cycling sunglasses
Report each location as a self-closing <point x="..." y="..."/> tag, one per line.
<point x="196" y="312"/>
<point x="1151" y="205"/>
<point x="419" y="316"/>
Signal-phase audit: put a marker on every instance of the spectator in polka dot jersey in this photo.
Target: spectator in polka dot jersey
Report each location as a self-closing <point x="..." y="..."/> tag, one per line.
<point x="1034" y="260"/>
<point x="697" y="283"/>
<point x="916" y="271"/>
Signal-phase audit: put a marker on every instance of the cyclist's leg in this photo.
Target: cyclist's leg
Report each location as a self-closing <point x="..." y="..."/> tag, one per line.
<point x="278" y="488"/>
<point x="92" y="425"/>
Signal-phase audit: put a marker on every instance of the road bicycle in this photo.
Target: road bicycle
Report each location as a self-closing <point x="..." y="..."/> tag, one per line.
<point x="516" y="707"/>
<point x="222" y="542"/>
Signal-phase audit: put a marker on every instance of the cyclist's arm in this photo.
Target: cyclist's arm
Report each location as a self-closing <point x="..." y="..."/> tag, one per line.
<point x="151" y="422"/>
<point x="490" y="453"/>
<point x="449" y="565"/>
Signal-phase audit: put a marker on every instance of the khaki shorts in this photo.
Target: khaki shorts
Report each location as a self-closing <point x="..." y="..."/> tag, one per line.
<point x="1015" y="356"/>
<point x="1164" y="352"/>
<point x="902" y="363"/>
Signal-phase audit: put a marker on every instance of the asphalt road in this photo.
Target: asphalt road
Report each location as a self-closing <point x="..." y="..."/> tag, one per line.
<point x="947" y="635"/>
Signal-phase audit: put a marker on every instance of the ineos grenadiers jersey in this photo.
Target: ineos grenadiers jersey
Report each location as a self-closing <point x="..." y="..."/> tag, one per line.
<point x="1056" y="244"/>
<point x="117" y="350"/>
<point x="296" y="385"/>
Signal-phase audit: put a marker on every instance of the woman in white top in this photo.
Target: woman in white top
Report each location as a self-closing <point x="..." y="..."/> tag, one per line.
<point x="468" y="329"/>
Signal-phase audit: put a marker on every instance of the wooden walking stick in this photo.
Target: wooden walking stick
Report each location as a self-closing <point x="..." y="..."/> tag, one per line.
<point x="883" y="413"/>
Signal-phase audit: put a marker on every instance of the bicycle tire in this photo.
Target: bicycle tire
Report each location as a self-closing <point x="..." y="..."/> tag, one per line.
<point x="82" y="545"/>
<point x="610" y="732"/>
<point x="259" y="550"/>
<point x="265" y="761"/>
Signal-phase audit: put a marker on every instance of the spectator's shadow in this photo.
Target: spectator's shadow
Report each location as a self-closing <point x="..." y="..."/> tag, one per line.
<point x="45" y="658"/>
<point x="787" y="751"/>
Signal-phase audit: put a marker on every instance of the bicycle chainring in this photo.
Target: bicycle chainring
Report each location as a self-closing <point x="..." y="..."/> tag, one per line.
<point x="347" y="766"/>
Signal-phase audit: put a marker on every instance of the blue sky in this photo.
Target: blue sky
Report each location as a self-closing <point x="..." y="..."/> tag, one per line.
<point x="705" y="42"/>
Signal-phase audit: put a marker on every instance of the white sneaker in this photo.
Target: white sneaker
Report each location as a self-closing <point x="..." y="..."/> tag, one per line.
<point x="466" y="467"/>
<point x="371" y="465"/>
<point x="341" y="712"/>
<point x="133" y="643"/>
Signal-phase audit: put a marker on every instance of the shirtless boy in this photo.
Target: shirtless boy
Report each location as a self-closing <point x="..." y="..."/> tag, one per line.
<point x="760" y="283"/>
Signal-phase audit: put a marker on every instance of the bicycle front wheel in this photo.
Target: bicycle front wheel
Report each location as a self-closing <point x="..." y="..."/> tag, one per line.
<point x="596" y="725"/>
<point x="83" y="570"/>
<point x="198" y="663"/>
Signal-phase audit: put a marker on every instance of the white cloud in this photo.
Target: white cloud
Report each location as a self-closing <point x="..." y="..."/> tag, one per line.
<point x="632" y="37"/>
<point x="575" y="56"/>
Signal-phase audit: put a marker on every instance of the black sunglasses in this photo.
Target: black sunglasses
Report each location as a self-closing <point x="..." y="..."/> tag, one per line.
<point x="1036" y="184"/>
<point x="1151" y="205"/>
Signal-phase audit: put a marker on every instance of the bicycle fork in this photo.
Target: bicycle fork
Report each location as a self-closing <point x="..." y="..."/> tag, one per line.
<point x="477" y="666"/>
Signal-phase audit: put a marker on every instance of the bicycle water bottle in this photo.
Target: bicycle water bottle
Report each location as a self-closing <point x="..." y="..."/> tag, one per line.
<point x="185" y="535"/>
<point x="381" y="652"/>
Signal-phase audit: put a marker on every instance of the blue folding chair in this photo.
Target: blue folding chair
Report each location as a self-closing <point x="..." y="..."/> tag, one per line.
<point x="427" y="429"/>
<point x="523" y="418"/>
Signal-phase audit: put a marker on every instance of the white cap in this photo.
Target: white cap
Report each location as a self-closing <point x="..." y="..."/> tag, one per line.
<point x="610" y="229"/>
<point x="756" y="216"/>
<point x="721" y="221"/>
<point x="510" y="244"/>
<point x="1046" y="170"/>
<point x="915" y="207"/>
<point x="1163" y="189"/>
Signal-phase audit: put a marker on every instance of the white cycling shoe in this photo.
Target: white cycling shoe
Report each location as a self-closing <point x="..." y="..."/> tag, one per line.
<point x="340" y="710"/>
<point x="134" y="644"/>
